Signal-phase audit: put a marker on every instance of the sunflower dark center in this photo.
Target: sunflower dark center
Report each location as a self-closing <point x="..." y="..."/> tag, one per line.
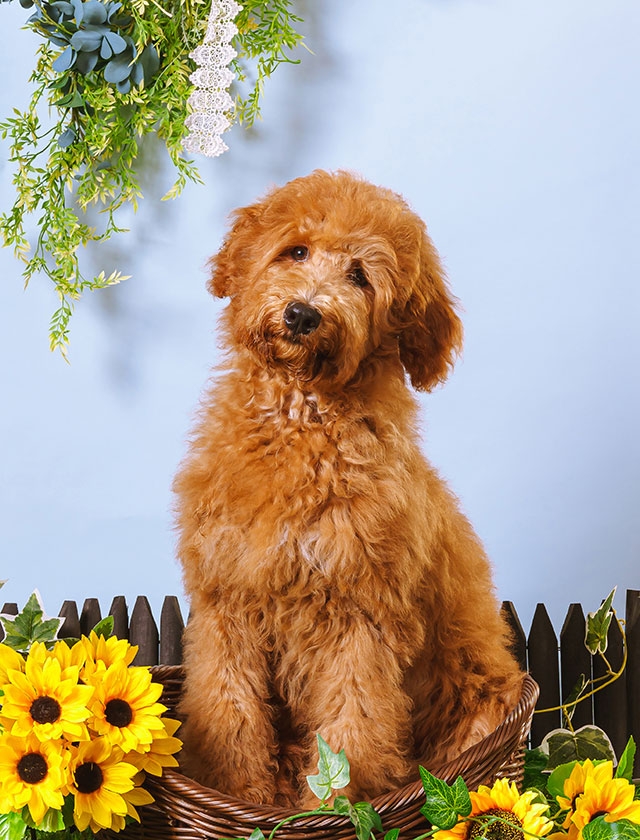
<point x="45" y="710"/>
<point x="32" y="768"/>
<point x="506" y="827"/>
<point x="118" y="712"/>
<point x="88" y="777"/>
<point x="598" y="814"/>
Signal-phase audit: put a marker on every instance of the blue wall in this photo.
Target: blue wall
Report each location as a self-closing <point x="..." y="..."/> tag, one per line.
<point x="512" y="128"/>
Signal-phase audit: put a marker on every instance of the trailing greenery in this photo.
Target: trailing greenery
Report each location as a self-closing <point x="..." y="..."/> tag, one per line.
<point x="112" y="73"/>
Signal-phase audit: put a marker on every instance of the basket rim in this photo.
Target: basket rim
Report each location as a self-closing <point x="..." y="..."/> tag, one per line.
<point x="238" y="809"/>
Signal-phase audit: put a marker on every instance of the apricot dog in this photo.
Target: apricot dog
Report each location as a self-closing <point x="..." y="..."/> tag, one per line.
<point x="335" y="585"/>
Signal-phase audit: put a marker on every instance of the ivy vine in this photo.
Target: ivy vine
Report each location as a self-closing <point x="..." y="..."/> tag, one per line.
<point x="111" y="73"/>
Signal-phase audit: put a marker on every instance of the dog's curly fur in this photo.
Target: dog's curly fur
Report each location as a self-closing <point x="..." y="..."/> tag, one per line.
<point x="335" y="585"/>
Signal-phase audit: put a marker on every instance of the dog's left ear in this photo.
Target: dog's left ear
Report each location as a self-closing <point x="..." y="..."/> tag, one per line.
<point x="234" y="258"/>
<point x="431" y="333"/>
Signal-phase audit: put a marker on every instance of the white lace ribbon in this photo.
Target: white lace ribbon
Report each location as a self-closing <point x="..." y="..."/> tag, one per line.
<point x="210" y="102"/>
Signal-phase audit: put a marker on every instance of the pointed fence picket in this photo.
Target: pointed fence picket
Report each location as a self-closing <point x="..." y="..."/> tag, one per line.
<point x="555" y="662"/>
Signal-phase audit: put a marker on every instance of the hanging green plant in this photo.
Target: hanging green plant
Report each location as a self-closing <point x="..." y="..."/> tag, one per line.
<point x="112" y="73"/>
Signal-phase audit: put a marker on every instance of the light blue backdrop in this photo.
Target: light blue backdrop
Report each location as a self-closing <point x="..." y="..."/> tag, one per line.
<point x="513" y="129"/>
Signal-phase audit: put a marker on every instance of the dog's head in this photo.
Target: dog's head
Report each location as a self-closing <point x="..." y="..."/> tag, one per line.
<point x="330" y="270"/>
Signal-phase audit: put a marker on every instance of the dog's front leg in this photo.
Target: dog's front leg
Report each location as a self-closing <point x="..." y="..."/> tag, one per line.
<point x="229" y="738"/>
<point x="351" y="694"/>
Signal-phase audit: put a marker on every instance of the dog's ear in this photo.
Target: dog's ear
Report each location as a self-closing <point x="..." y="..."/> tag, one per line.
<point x="430" y="337"/>
<point x="234" y="257"/>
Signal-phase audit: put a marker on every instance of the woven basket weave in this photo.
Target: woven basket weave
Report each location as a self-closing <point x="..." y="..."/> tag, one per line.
<point x="185" y="810"/>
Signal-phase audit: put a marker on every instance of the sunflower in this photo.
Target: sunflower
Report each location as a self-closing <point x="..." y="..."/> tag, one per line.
<point x="70" y="658"/>
<point x="10" y="660"/>
<point x="33" y="773"/>
<point x="610" y="798"/>
<point x="101" y="653"/>
<point x="102" y="786"/>
<point x="574" y="785"/>
<point x="516" y="814"/>
<point x="160" y="753"/>
<point x="125" y="708"/>
<point x="46" y="701"/>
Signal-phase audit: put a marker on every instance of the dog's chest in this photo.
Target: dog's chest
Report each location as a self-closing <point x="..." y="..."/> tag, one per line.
<point x="308" y="488"/>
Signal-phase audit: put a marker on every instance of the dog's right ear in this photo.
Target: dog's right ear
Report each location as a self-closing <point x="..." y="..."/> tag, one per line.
<point x="233" y="259"/>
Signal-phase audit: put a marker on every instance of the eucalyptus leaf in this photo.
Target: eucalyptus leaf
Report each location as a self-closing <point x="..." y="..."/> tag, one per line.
<point x="116" y="42"/>
<point x="66" y="138"/>
<point x="94" y="12"/>
<point x="86" y="62"/>
<point x="65" y="60"/>
<point x="119" y="68"/>
<point x="86" y="40"/>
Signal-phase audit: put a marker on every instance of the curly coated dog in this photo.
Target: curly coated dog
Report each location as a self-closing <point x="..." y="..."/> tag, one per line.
<point x="335" y="585"/>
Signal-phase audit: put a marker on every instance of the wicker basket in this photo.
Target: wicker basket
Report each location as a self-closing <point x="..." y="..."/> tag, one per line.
<point x="185" y="810"/>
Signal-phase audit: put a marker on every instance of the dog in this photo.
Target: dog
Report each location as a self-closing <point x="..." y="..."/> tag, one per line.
<point x="335" y="585"/>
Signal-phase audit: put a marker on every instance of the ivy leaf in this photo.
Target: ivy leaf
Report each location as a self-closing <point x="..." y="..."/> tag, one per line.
<point x="333" y="771"/>
<point x="256" y="834"/>
<point x="445" y="803"/>
<point x="104" y="627"/>
<point x="563" y="746"/>
<point x="363" y="815"/>
<point x="392" y="835"/>
<point x="535" y="762"/>
<point x="29" y="626"/>
<point x="12" y="826"/>
<point x="600" y="829"/>
<point x="598" y="625"/>
<point x="624" y="770"/>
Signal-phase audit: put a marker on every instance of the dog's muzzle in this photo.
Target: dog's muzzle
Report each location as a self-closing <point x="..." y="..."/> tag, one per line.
<point x="301" y="319"/>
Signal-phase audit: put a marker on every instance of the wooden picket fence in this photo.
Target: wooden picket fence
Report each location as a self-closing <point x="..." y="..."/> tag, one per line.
<point x="555" y="662"/>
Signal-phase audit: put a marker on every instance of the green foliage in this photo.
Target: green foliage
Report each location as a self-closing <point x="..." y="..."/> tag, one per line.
<point x="624" y="770"/>
<point x="333" y="771"/>
<point x="535" y="763"/>
<point x="598" y="625"/>
<point x="363" y="815"/>
<point x="104" y="628"/>
<point x="111" y="75"/>
<point x="563" y="746"/>
<point x="445" y="804"/>
<point x="268" y="32"/>
<point x="12" y="827"/>
<point x="29" y="626"/>
<point x="600" y="829"/>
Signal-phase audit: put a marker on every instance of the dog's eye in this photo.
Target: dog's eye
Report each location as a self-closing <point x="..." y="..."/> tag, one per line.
<point x="300" y="253"/>
<point x="357" y="276"/>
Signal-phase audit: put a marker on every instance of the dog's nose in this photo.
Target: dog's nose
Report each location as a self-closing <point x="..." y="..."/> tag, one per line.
<point x="301" y="319"/>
